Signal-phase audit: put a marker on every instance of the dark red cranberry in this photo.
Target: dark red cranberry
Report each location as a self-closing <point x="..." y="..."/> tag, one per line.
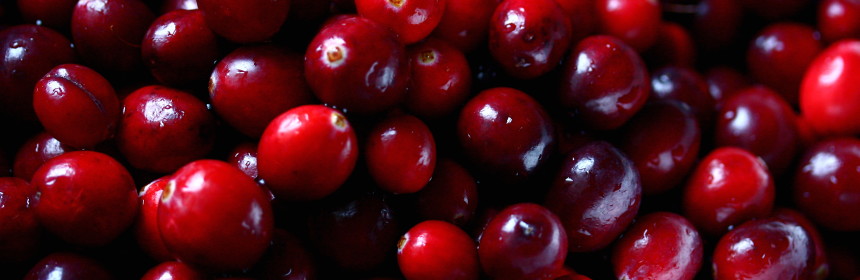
<point x="604" y="82"/>
<point x="596" y="195"/>
<point x="287" y="259"/>
<point x="67" y="266"/>
<point x="729" y="186"/>
<point x="723" y="82"/>
<point x="358" y="65"/>
<point x="212" y="215"/>
<point x="465" y="23"/>
<point x="674" y="46"/>
<point x="820" y="267"/>
<point x="829" y="97"/>
<point x="529" y="37"/>
<point x="505" y="132"/>
<point x="775" y="9"/>
<point x="779" y="55"/>
<point x="838" y="19"/>
<point x="438" y="250"/>
<point x="583" y="20"/>
<point x="163" y="129"/>
<point x="245" y="21"/>
<point x="826" y="184"/>
<point x="524" y="241"/>
<point x="412" y="20"/>
<point x="764" y="249"/>
<point x="451" y="195"/>
<point x="173" y="270"/>
<point x="51" y="13"/>
<point x="400" y="153"/>
<point x="179" y="48"/>
<point x="35" y="152"/>
<point x="663" y="142"/>
<point x="172" y="5"/>
<point x="108" y="34"/>
<point x="307" y="152"/>
<point x="636" y="22"/>
<point x="77" y="189"/>
<point x="441" y="79"/>
<point x="244" y="156"/>
<point x="19" y="229"/>
<point x="255" y="84"/>
<point x="146" y="226"/>
<point x="716" y="24"/>
<point x="687" y="86"/>
<point x="660" y="245"/>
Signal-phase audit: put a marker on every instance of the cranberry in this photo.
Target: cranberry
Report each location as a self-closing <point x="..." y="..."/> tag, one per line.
<point x="212" y="215"/>
<point x="52" y="13"/>
<point x="729" y="186"/>
<point x="825" y="183"/>
<point x="451" y="195"/>
<point x="357" y="64"/>
<point x="287" y="259"/>
<point x="19" y="229"/>
<point x="779" y="55"/>
<point x="255" y="84"/>
<point x="108" y="33"/>
<point x="173" y="270"/>
<point x="76" y="189"/>
<point x="67" y="266"/>
<point x="179" y="48"/>
<point x="437" y="250"/>
<point x="660" y="245"/>
<point x="596" y="195"/>
<point x="764" y="249"/>
<point x="674" y="46"/>
<point x="687" y="86"/>
<point x="35" y="152"/>
<point x="724" y="82"/>
<point x="465" y="23"/>
<point x="146" y="226"/>
<point x="636" y="22"/>
<point x="716" y="24"/>
<point x="245" y="21"/>
<point x="524" y="241"/>
<point x="506" y="133"/>
<point x="828" y="98"/>
<point x="774" y="9"/>
<point x="400" y="154"/>
<point x="412" y="20"/>
<point x="307" y="152"/>
<point x="604" y="82"/>
<point x="244" y="157"/>
<point x="172" y="5"/>
<point x="583" y="21"/>
<point x="820" y="267"/>
<point x="529" y="37"/>
<point x="441" y="79"/>
<point x="838" y="19"/>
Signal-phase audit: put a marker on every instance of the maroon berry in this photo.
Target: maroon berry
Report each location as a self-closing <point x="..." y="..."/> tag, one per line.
<point x="764" y="249"/>
<point x="35" y="152"/>
<point x="245" y="21"/>
<point x="779" y="55"/>
<point x="146" y="227"/>
<point x="67" y="266"/>
<point x="412" y="20"/>
<point x="451" y="195"/>
<point x="108" y="33"/>
<point x="401" y="154"/>
<point x="19" y="229"/>
<point x="179" y="48"/>
<point x="464" y="24"/>
<point x="826" y="183"/>
<point x="660" y="245"/>
<point x="529" y="37"/>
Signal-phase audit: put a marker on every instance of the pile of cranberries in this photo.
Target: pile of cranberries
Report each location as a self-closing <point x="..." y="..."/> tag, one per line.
<point x="430" y="139"/>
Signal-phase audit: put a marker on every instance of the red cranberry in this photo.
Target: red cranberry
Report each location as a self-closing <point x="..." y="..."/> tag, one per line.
<point x="76" y="189"/>
<point x="172" y="5"/>
<point x="400" y="154"/>
<point x="826" y="184"/>
<point x="524" y="241"/>
<point x="728" y="187"/>
<point x="179" y="48"/>
<point x="764" y="249"/>
<point x="838" y="19"/>
<point x="357" y="64"/>
<point x="412" y="20"/>
<point x="214" y="216"/>
<point x="687" y="86"/>
<point x="67" y="266"/>
<point x="829" y="99"/>
<point x="108" y="33"/>
<point x="52" y="13"/>
<point x="451" y="195"/>
<point x="245" y="21"/>
<point x="35" y="152"/>
<point x="674" y="46"/>
<point x="529" y="37"/>
<point x="583" y="20"/>
<point x="307" y="152"/>
<point x="604" y="82"/>
<point x="716" y="24"/>
<point x="636" y="22"/>
<point x="287" y="259"/>
<point x="244" y="157"/>
<point x="465" y="23"/>
<point x="173" y="270"/>
<point x="441" y="79"/>
<point x="19" y="229"/>
<point x="723" y="82"/>
<point x="820" y="267"/>
<point x="146" y="227"/>
<point x="774" y="9"/>
<point x="779" y="55"/>
<point x="596" y="194"/>
<point x="163" y="129"/>
<point x="437" y="250"/>
<point x="255" y="84"/>
<point x="660" y="245"/>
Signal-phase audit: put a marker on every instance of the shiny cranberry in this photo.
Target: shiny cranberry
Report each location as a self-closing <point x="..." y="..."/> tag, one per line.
<point x="729" y="186"/>
<point x="604" y="82"/>
<point x="146" y="227"/>
<point x="173" y="270"/>
<point x="179" y="48"/>
<point x="75" y="190"/>
<point x="437" y="250"/>
<point x="838" y="19"/>
<point x="820" y="267"/>
<point x="67" y="266"/>
<point x="674" y="46"/>
<point x="829" y="99"/>
<point x="35" y="152"/>
<point x="412" y="20"/>
<point x="441" y="79"/>
<point x="663" y="142"/>
<point x="451" y="195"/>
<point x="244" y="157"/>
<point x="583" y="20"/>
<point x="77" y="106"/>
<point x="779" y="55"/>
<point x="52" y="13"/>
<point x="108" y="33"/>
<point x="245" y="21"/>
<point x="524" y="241"/>
<point x="716" y="24"/>
<point x="723" y="82"/>
<point x="307" y="152"/>
<point x="287" y="259"/>
<point x="529" y="37"/>
<point x="172" y="5"/>
<point x="826" y="184"/>
<point x="357" y="64"/>
<point x="19" y="229"/>
<point x="400" y="153"/>
<point x="775" y="9"/>
<point x="506" y="133"/>
<point x="255" y="84"/>
<point x="687" y="86"/>
<point x="596" y="195"/>
<point x="760" y="121"/>
<point x="465" y="23"/>
<point x="636" y="22"/>
<point x="163" y="129"/>
<point x="660" y="245"/>
<point x="214" y="216"/>
<point x="764" y="249"/>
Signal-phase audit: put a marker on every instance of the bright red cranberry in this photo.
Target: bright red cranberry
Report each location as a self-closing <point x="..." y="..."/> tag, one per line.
<point x="451" y="195"/>
<point x="51" y="13"/>
<point x="829" y="99"/>
<point x="820" y="267"/>
<point x="358" y="65"/>
<point x="716" y="24"/>
<point x="524" y="241"/>
<point x="838" y="19"/>
<point x="729" y="186"/>
<point x="212" y="215"/>
<point x="723" y="82"/>
<point x="604" y="82"/>
<point x="505" y="132"/>
<point x="596" y="195"/>
<point x="769" y="248"/>
<point x="400" y="154"/>
<point x="465" y="23"/>
<point x="583" y="20"/>
<point x="660" y="245"/>
<point x="437" y="250"/>
<point x="179" y="48"/>
<point x="108" y="33"/>
<point x="67" y="266"/>
<point x="412" y="20"/>
<point x="674" y="46"/>
<point x="775" y="9"/>
<point x="529" y="37"/>
<point x="288" y="259"/>
<point x="779" y="55"/>
<point x="245" y="21"/>
<point x="172" y="5"/>
<point x="76" y="189"/>
<point x="663" y="142"/>
<point x="163" y="129"/>
<point x="441" y="79"/>
<point x="77" y="106"/>
<point x="255" y="84"/>
<point x="146" y="226"/>
<point x="19" y="229"/>
<point x="687" y="86"/>
<point x="35" y="152"/>
<point x="307" y="152"/>
<point x="244" y="157"/>
<point x="636" y="22"/>
<point x="826" y="184"/>
<point x="173" y="270"/>
<point x="760" y="121"/>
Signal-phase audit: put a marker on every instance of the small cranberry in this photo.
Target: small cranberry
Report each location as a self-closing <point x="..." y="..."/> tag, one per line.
<point x="838" y="19"/>
<point x="660" y="245"/>
<point x="108" y="33"/>
<point x="769" y="248"/>
<point x="179" y="48"/>
<point x="465" y="23"/>
<point x="451" y="195"/>
<point x="437" y="250"/>
<point x="35" y="152"/>
<point x="826" y="184"/>
<point x="245" y="21"/>
<point x="287" y="259"/>
<point x="441" y="79"/>
<point x="529" y="37"/>
<point x="412" y="20"/>
<point x="779" y="55"/>
<point x="400" y="154"/>
<point x="636" y="22"/>
<point x="67" y="266"/>
<point x="244" y="157"/>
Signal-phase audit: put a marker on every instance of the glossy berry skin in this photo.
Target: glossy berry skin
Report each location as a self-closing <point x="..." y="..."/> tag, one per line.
<point x="604" y="82"/>
<point x="729" y="186"/>
<point x="400" y="154"/>
<point x="825" y="183"/>
<point x="244" y="157"/>
<point x="821" y="265"/>
<point x="464" y="24"/>
<point x="451" y="195"/>
<point x="253" y="85"/>
<point x="636" y="22"/>
<point x="307" y="152"/>
<point x="172" y="5"/>
<point x="358" y="65"/>
<point x="19" y="229"/>
<point x="528" y="37"/>
<point x="108" y="33"/>
<point x="779" y="55"/>
<point x="506" y="133"/>
<point x="838" y="19"/>
<point x="212" y="215"/>
<point x="179" y="48"/>
<point x="687" y="86"/>
<point x="660" y="245"/>
<point x="828" y="98"/>
<point x="163" y="129"/>
<point x="87" y="198"/>
<point x="146" y="230"/>
<point x="437" y="250"/>
<point x="412" y="20"/>
<point x="52" y="13"/>
<point x="173" y="270"/>
<point x="764" y="249"/>
<point x="441" y="79"/>
<point x="35" y="152"/>
<point x="67" y="266"/>
<point x="77" y="106"/>
<point x="596" y="195"/>
<point x="524" y="241"/>
<point x="244" y="21"/>
<point x="663" y="142"/>
<point x="287" y="259"/>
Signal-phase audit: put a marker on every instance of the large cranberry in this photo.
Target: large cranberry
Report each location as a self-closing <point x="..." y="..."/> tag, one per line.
<point x="524" y="241"/>
<point x="52" y="13"/>
<point x="636" y="22"/>
<point x="826" y="184"/>
<point x="451" y="195"/>
<point x="287" y="259"/>
<point x="769" y="248"/>
<point x="437" y="250"/>
<point x="465" y="23"/>
<point x="660" y="245"/>
<point x="179" y="48"/>
<point x="779" y="55"/>
<point x="687" y="86"/>
<point x="67" y="266"/>
<point x="245" y="21"/>
<point x="35" y="152"/>
<point x="821" y="266"/>
<point x="401" y="154"/>
<point x="146" y="226"/>
<point x="441" y="79"/>
<point x="829" y="99"/>
<point x="108" y="33"/>
<point x="173" y="270"/>
<point x="838" y="19"/>
<point x="412" y="20"/>
<point x="529" y="37"/>
<point x="19" y="229"/>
